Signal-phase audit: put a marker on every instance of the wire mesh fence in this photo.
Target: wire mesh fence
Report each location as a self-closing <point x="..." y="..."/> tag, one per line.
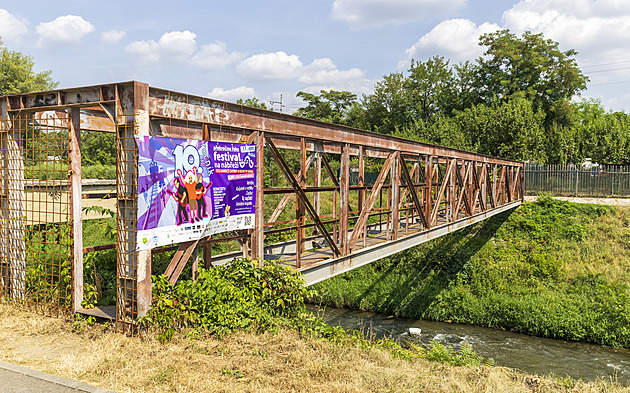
<point x="576" y="180"/>
<point x="127" y="209"/>
<point x="35" y="232"/>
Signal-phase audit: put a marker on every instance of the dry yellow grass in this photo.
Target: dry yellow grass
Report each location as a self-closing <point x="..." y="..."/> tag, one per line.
<point x="281" y="362"/>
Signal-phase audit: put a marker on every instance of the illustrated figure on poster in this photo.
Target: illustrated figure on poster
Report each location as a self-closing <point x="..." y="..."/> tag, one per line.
<point x="181" y="196"/>
<point x="200" y="192"/>
<point x="190" y="182"/>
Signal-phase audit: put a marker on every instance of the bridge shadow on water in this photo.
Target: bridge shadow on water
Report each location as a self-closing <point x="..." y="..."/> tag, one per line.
<point x="407" y="284"/>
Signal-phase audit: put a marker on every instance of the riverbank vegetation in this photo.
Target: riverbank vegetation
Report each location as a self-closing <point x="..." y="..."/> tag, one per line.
<point x="549" y="268"/>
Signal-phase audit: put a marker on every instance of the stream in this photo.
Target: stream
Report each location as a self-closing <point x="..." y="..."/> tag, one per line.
<point x="534" y="355"/>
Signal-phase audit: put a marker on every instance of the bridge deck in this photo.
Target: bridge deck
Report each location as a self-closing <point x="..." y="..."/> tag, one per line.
<point x="318" y="264"/>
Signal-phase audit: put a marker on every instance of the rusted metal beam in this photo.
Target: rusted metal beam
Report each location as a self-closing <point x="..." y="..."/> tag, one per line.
<point x="344" y="196"/>
<point x="188" y="108"/>
<point x="285" y="198"/>
<point x="287" y="173"/>
<point x="323" y="270"/>
<point x="76" y="214"/>
<point x="369" y="204"/>
<point x="395" y="195"/>
<point x="299" y="208"/>
<point x="463" y="191"/>
<point x="258" y="236"/>
<point x="179" y="260"/>
<point x="414" y="196"/>
<point x="450" y="169"/>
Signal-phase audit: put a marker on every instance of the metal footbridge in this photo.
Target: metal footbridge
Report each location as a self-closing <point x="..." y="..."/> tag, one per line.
<point x="329" y="198"/>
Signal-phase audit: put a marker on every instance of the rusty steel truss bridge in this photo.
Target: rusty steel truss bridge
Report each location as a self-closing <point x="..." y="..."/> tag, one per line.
<point x="329" y="198"/>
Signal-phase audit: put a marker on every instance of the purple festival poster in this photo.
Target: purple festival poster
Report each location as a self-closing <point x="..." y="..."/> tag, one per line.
<point x="189" y="189"/>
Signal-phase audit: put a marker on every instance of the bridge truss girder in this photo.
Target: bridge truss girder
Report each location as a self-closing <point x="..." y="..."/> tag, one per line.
<point x="422" y="190"/>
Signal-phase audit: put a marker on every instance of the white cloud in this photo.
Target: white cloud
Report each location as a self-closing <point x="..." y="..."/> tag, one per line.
<point x="232" y="95"/>
<point x="215" y="56"/>
<point x="596" y="26"/>
<point x="65" y="30"/>
<point x="361" y="14"/>
<point x="455" y="39"/>
<point x="320" y="74"/>
<point x="177" y="45"/>
<point x="112" y="36"/>
<point x="12" y="27"/>
<point x="270" y="66"/>
<point x="180" y="47"/>
<point x="332" y="77"/>
<point x="145" y="51"/>
<point x="172" y="47"/>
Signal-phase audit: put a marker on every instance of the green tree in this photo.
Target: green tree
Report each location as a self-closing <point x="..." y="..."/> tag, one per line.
<point x="529" y="66"/>
<point x="17" y="75"/>
<point x="512" y="129"/>
<point x="430" y="88"/>
<point x="252" y="102"/>
<point x="386" y="109"/>
<point x="331" y="106"/>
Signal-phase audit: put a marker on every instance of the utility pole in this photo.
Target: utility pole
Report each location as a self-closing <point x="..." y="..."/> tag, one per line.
<point x="277" y="102"/>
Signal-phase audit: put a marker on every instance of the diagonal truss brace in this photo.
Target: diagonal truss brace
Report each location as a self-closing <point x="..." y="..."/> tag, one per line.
<point x="450" y="169"/>
<point x="413" y="194"/>
<point x="183" y="253"/>
<point x="464" y="192"/>
<point x="298" y="190"/>
<point x="333" y="177"/>
<point x="285" y="198"/>
<point x="367" y="209"/>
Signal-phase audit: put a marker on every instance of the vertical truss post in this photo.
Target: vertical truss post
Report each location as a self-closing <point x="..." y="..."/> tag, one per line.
<point x="344" y="196"/>
<point x="142" y="125"/>
<point x="471" y="186"/>
<point x="416" y="180"/>
<point x="522" y="184"/>
<point x="300" y="210"/>
<point x="317" y="182"/>
<point x="15" y="207"/>
<point x="133" y="267"/>
<point x="362" y="191"/>
<point x="452" y="196"/>
<point x="395" y="176"/>
<point x="428" y="186"/>
<point x="4" y="194"/>
<point x="484" y="186"/>
<point x="495" y="181"/>
<point x="74" y="134"/>
<point x="258" y="236"/>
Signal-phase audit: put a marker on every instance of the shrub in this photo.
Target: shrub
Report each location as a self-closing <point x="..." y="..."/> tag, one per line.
<point x="237" y="296"/>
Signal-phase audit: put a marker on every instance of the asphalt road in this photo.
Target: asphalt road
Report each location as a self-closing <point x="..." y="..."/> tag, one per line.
<point x="17" y="379"/>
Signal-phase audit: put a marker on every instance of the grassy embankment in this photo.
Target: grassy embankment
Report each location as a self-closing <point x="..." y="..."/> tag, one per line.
<point x="550" y="268"/>
<point x="279" y="361"/>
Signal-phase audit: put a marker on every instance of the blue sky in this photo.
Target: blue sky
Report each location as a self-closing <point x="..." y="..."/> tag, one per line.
<point x="245" y="48"/>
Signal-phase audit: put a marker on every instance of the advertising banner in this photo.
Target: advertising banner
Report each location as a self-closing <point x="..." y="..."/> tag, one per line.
<point x="189" y="189"/>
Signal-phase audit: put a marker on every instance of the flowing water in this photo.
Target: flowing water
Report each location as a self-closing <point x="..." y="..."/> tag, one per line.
<point x="529" y="354"/>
